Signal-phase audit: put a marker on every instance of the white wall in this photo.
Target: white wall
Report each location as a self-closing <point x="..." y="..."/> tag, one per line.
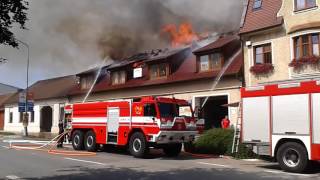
<point x="33" y="127"/>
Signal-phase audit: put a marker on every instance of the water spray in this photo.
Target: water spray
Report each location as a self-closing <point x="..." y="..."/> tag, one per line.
<point x="95" y="81"/>
<point x="219" y="76"/>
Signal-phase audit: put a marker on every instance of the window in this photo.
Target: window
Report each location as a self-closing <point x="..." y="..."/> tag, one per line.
<point x="150" y="110"/>
<point x="10" y="117"/>
<point x="306" y="46"/>
<point x="20" y="117"/>
<point x="118" y="77"/>
<point x="159" y="71"/>
<point x="257" y="4"/>
<point x="32" y="116"/>
<point x="211" y="62"/>
<point x="86" y="82"/>
<point x="304" y="4"/>
<point x="263" y="54"/>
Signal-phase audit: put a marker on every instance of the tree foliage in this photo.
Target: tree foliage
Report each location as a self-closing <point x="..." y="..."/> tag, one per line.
<point x="12" y="12"/>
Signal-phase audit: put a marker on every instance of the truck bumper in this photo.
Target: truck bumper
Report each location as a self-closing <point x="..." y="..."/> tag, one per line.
<point x="166" y="137"/>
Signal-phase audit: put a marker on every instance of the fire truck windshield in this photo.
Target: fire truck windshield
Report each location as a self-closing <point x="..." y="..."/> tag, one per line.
<point x="170" y="110"/>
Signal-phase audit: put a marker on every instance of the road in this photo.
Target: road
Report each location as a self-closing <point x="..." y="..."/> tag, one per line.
<point x="29" y="164"/>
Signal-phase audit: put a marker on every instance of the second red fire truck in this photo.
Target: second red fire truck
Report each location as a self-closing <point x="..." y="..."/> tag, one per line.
<point x="136" y="123"/>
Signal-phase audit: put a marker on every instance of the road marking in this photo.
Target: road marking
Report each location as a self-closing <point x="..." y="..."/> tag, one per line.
<point x="80" y="160"/>
<point x="5" y="147"/>
<point x="12" y="177"/>
<point x="211" y="164"/>
<point x="292" y="174"/>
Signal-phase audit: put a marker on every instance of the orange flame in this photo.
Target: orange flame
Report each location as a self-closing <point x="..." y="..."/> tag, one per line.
<point x="182" y="35"/>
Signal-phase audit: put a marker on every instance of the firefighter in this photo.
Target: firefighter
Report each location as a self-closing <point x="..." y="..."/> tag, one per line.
<point x="225" y="123"/>
<point x="61" y="131"/>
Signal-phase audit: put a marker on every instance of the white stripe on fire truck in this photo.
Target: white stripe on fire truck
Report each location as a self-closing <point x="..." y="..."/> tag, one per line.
<point x="121" y="119"/>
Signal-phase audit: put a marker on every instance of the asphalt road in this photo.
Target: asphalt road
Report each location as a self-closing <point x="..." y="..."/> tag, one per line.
<point x="28" y="164"/>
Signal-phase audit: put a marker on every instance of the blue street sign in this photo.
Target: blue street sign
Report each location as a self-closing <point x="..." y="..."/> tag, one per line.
<point x="30" y="106"/>
<point x="22" y="109"/>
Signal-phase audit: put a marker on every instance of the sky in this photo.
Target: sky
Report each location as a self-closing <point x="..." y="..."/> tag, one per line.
<point x="69" y="36"/>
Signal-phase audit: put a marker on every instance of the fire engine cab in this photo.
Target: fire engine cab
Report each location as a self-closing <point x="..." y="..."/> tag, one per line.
<point x="136" y="123"/>
<point x="283" y="121"/>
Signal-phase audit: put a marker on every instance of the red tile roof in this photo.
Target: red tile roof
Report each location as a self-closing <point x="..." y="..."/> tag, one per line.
<point x="222" y="41"/>
<point x="49" y="88"/>
<point x="262" y="18"/>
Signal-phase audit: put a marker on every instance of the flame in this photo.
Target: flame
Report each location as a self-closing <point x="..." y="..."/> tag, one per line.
<point x="181" y="35"/>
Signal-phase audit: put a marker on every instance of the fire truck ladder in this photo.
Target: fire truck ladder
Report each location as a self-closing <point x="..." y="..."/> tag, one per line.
<point x="237" y="131"/>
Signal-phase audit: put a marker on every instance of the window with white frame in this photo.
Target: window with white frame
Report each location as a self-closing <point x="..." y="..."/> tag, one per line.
<point x="263" y="54"/>
<point x="306" y="46"/>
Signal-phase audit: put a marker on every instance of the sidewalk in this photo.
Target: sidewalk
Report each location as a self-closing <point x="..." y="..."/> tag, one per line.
<point x="31" y="136"/>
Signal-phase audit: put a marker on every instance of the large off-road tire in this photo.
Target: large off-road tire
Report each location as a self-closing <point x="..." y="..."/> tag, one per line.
<point x="90" y="142"/>
<point x="172" y="150"/>
<point x="293" y="157"/>
<point x="77" y="140"/>
<point x="138" y="146"/>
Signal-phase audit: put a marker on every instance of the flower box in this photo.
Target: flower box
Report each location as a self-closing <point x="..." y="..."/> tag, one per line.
<point x="258" y="69"/>
<point x="298" y="63"/>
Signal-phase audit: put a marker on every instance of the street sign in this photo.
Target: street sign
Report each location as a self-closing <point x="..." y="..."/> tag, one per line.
<point x="30" y="106"/>
<point x="22" y="97"/>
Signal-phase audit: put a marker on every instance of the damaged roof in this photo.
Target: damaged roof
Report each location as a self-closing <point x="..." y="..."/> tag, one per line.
<point x="261" y="18"/>
<point x="185" y="61"/>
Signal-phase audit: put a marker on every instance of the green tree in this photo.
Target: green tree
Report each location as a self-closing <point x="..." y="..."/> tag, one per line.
<point x="12" y="12"/>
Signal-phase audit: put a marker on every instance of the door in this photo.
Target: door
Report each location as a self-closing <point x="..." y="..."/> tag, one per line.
<point x="113" y="124"/>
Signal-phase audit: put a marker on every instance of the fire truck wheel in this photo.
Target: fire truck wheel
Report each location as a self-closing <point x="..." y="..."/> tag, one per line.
<point x="172" y="150"/>
<point x="90" y="142"/>
<point x="77" y="140"/>
<point x="293" y="157"/>
<point x="138" y="145"/>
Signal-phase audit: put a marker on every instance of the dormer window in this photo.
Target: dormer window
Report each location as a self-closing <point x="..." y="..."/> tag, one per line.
<point x="118" y="77"/>
<point x="257" y="4"/>
<point x="210" y="62"/>
<point x="86" y="82"/>
<point x="158" y="71"/>
<point x="304" y="4"/>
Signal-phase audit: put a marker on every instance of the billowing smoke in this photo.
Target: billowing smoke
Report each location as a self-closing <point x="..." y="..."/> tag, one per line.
<point x="67" y="36"/>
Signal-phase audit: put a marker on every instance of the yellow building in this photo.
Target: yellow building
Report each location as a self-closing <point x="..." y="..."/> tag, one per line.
<point x="280" y="40"/>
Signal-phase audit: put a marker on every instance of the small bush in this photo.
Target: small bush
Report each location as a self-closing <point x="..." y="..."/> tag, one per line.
<point x="218" y="142"/>
<point x="215" y="141"/>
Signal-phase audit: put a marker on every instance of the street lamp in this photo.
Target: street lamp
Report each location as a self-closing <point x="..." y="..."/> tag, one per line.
<point x="26" y="116"/>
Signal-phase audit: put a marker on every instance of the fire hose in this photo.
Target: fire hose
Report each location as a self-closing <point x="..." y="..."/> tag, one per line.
<point x="51" y="145"/>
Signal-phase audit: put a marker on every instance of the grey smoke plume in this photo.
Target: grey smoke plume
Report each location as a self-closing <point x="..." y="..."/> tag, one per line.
<point x="67" y="36"/>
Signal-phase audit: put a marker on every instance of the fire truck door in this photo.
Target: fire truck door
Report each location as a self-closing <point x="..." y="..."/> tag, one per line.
<point x="113" y="124"/>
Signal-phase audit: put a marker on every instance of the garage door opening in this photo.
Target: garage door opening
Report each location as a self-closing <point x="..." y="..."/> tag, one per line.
<point x="213" y="112"/>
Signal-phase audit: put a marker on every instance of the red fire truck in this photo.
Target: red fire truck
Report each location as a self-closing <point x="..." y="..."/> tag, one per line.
<point x="136" y="123"/>
<point x="283" y="121"/>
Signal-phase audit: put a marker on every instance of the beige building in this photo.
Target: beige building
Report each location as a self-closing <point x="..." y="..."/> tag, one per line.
<point x="187" y="73"/>
<point x="281" y="40"/>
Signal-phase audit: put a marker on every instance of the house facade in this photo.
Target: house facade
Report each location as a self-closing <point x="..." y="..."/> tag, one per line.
<point x="50" y="97"/>
<point x="281" y="40"/>
<point x="184" y="73"/>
